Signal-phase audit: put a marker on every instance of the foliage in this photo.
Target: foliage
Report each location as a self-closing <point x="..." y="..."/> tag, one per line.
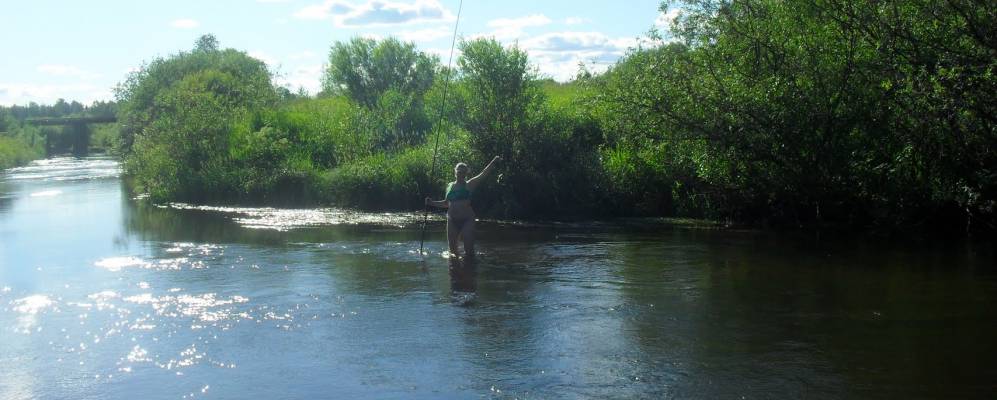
<point x="548" y="150"/>
<point x="177" y="114"/>
<point x="390" y="79"/>
<point x="789" y="112"/>
<point x="365" y="69"/>
<point x="803" y="112"/>
<point x="19" y="142"/>
<point x="14" y="151"/>
<point x="386" y="181"/>
<point x="235" y="79"/>
<point x="16" y="121"/>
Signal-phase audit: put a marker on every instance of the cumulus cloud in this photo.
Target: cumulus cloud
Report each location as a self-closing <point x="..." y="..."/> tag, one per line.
<point x="263" y="56"/>
<point x="66" y="71"/>
<point x="303" y="55"/>
<point x="185" y="23"/>
<point x="443" y="53"/>
<point x="23" y="93"/>
<point x="513" y="28"/>
<point x="558" y="54"/>
<point x="664" y="20"/>
<point x="576" y="42"/>
<point x="376" y="12"/>
<point x="425" y="35"/>
<point x="308" y="77"/>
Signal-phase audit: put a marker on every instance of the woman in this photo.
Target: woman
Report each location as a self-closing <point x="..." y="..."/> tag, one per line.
<point x="460" y="215"/>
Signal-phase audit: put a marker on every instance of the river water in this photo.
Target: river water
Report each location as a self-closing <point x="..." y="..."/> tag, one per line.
<point x="103" y="296"/>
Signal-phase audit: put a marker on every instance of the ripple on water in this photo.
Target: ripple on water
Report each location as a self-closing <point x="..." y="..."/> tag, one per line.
<point x="66" y="169"/>
<point x="204" y="307"/>
<point x="116" y="264"/>
<point x="391" y="251"/>
<point x="29" y="307"/>
<point x="285" y="219"/>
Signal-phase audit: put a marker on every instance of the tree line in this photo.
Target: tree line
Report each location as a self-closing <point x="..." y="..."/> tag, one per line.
<point x="21" y="141"/>
<point x="788" y="113"/>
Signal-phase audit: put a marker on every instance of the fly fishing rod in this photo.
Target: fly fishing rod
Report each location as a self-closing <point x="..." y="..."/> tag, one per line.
<point x="439" y="127"/>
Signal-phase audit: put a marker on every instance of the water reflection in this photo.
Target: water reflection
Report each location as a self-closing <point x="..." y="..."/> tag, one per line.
<point x="463" y="280"/>
<point x="104" y="297"/>
<point x="6" y="198"/>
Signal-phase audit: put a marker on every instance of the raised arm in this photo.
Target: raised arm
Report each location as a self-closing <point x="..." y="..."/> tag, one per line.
<point x="473" y="182"/>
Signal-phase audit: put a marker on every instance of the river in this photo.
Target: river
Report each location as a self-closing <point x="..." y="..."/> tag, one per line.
<point x="104" y="296"/>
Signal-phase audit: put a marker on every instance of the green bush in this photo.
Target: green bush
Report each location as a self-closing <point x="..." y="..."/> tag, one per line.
<point x="14" y="152"/>
<point x="396" y="180"/>
<point x="177" y="116"/>
<point x="19" y="144"/>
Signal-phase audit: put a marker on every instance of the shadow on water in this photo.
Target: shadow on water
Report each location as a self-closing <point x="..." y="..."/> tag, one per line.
<point x="6" y="198"/>
<point x="658" y="313"/>
<point x="325" y="302"/>
<point x="463" y="280"/>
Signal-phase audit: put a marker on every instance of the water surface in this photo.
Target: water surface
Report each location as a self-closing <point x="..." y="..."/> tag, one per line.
<point x="103" y="296"/>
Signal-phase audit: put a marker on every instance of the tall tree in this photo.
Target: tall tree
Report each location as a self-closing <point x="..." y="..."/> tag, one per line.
<point x="364" y="69"/>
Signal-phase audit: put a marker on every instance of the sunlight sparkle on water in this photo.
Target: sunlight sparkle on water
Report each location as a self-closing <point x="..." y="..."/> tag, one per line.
<point x="46" y="193"/>
<point x="115" y="264"/>
<point x="205" y="307"/>
<point x="286" y="219"/>
<point x="32" y="304"/>
<point x="29" y="307"/>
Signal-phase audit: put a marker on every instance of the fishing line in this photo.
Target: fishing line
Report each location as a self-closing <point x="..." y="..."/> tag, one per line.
<point x="436" y="147"/>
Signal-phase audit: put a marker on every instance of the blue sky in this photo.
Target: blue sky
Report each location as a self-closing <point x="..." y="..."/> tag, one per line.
<point x="79" y="50"/>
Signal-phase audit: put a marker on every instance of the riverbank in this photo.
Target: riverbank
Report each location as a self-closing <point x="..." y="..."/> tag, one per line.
<point x="587" y="149"/>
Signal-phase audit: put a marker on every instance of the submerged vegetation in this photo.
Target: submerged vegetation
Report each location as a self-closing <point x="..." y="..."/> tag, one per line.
<point x="784" y="113"/>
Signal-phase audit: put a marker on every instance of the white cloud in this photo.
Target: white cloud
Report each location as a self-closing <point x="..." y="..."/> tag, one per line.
<point x="23" y="93"/>
<point x="263" y="56"/>
<point x="66" y="71"/>
<point x="308" y="77"/>
<point x="304" y="55"/>
<point x="373" y="36"/>
<point x="576" y="42"/>
<point x="315" y="11"/>
<point x="376" y="12"/>
<point x="444" y="53"/>
<point x="512" y="28"/>
<point x="425" y="35"/>
<point x="574" y="20"/>
<point x="558" y="54"/>
<point x="185" y="23"/>
<point x="664" y="20"/>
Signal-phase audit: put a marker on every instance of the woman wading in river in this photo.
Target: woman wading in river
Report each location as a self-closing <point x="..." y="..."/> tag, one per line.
<point x="460" y="215"/>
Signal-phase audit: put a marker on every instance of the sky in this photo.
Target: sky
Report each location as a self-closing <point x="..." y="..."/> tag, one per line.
<point x="80" y="50"/>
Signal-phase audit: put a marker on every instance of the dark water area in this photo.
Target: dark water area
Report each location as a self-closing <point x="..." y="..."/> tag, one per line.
<point x="104" y="296"/>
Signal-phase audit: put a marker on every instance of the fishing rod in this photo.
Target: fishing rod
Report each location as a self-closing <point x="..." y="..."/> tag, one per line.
<point x="439" y="123"/>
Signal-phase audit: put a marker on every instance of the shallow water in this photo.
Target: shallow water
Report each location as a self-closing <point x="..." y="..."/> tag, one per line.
<point x="103" y="296"/>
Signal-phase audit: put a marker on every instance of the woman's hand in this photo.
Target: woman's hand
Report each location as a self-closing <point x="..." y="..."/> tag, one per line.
<point x="496" y="159"/>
